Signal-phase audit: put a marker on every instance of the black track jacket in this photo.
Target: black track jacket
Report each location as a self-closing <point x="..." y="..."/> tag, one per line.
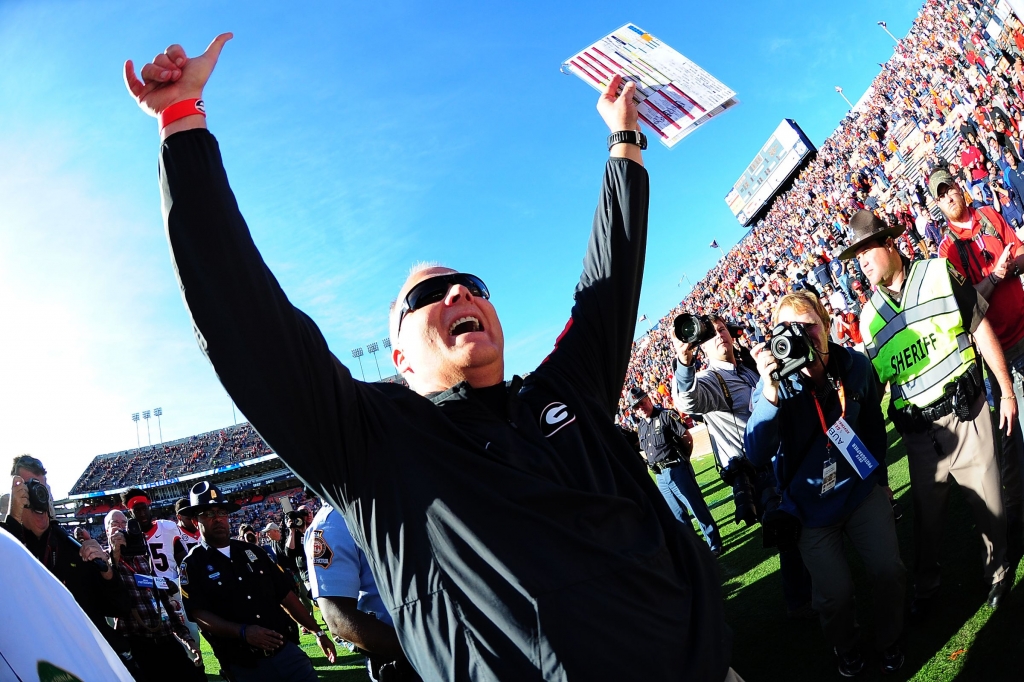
<point x="529" y="547"/>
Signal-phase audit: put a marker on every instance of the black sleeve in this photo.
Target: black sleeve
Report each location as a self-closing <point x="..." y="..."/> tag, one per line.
<point x="283" y="583"/>
<point x="973" y="305"/>
<point x="593" y="350"/>
<point x="271" y="358"/>
<point x="193" y="594"/>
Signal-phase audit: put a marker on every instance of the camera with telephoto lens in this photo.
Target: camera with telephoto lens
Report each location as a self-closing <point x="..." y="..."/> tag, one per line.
<point x="38" y="496"/>
<point x="739" y="474"/>
<point x="295" y="519"/>
<point x="134" y="540"/>
<point x="791" y="346"/>
<point x="779" y="529"/>
<point x="693" y="329"/>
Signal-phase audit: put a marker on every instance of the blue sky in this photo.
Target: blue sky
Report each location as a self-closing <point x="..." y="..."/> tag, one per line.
<point x="359" y="138"/>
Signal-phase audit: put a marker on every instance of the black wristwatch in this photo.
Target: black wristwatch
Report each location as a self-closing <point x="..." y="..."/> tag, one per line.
<point x="629" y="137"/>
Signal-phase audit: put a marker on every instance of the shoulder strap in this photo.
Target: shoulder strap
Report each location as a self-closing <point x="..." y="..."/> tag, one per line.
<point x="725" y="390"/>
<point x="988" y="228"/>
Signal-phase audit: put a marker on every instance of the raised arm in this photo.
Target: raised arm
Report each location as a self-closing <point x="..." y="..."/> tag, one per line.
<point x="593" y="350"/>
<point x="271" y="358"/>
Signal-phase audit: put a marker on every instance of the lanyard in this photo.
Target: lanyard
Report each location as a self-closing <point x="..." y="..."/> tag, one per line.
<point x="821" y="415"/>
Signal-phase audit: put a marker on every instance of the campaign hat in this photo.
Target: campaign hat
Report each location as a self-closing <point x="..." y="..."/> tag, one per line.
<point x="865" y="226"/>
<point x="636" y="396"/>
<point x="205" y="495"/>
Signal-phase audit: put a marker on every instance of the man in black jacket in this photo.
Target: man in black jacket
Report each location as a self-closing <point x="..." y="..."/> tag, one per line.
<point x="508" y="525"/>
<point x="99" y="593"/>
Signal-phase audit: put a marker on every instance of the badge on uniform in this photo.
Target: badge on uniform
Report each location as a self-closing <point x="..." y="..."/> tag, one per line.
<point x="214" y="576"/>
<point x="853" y="448"/>
<point x="323" y="555"/>
<point x="251" y="554"/>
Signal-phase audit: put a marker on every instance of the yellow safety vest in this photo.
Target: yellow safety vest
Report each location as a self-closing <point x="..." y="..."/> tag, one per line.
<point x="921" y="345"/>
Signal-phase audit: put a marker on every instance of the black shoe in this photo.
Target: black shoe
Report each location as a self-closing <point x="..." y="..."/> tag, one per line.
<point x="892" y="659"/>
<point x="851" y="663"/>
<point x="1000" y="592"/>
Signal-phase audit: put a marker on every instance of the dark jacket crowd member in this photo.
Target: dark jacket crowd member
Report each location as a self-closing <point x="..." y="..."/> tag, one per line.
<point x="509" y="525"/>
<point x="822" y="428"/>
<point x="98" y="591"/>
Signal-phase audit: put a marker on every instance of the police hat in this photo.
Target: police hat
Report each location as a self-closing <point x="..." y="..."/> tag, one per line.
<point x="636" y="396"/>
<point x="204" y="495"/>
<point x="865" y="226"/>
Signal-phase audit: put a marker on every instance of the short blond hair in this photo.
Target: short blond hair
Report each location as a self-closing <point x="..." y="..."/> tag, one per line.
<point x="395" y="306"/>
<point x="803" y="301"/>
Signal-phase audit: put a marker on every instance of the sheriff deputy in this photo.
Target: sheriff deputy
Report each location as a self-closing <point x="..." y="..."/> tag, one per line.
<point x="917" y="329"/>
<point x="236" y="593"/>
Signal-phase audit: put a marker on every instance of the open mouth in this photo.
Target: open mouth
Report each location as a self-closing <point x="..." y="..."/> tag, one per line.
<point x="465" y="325"/>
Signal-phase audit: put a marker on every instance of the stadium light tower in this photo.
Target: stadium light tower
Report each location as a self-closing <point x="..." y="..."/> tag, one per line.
<point x="840" y="91"/>
<point x="357" y="353"/>
<point x="372" y="350"/>
<point x="135" y="418"/>
<point x="157" y="412"/>
<point x="886" y="29"/>
<point x="145" y="415"/>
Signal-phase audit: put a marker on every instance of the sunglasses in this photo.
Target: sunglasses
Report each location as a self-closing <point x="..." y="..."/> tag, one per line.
<point x="435" y="289"/>
<point x="213" y="514"/>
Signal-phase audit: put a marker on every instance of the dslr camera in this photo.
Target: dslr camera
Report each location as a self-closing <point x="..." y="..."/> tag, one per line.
<point x="295" y="519"/>
<point x="38" y="496"/>
<point x="134" y="540"/>
<point x="791" y="346"/>
<point x="693" y="329"/>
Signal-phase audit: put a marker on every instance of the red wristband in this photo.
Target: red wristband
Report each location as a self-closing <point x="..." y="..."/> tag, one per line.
<point x="186" y="107"/>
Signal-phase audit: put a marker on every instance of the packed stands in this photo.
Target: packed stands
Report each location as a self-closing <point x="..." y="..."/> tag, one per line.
<point x="958" y="73"/>
<point x="169" y="460"/>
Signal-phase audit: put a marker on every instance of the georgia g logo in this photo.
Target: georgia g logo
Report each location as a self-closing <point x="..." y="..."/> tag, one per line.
<point x="554" y="417"/>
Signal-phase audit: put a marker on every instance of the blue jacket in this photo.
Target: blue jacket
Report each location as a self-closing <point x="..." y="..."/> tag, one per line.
<point x="790" y="436"/>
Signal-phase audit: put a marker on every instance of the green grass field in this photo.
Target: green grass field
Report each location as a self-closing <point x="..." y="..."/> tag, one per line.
<point x="962" y="641"/>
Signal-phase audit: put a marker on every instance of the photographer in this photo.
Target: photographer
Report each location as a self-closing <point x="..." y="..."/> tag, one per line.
<point x="294" y="558"/>
<point x="823" y="426"/>
<point x="721" y="394"/>
<point x="152" y="627"/>
<point x="99" y="592"/>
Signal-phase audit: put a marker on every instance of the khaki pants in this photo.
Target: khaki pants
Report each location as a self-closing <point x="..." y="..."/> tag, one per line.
<point x="872" y="532"/>
<point x="965" y="451"/>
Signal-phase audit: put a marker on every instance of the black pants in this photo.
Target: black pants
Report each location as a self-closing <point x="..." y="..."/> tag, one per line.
<point x="163" y="658"/>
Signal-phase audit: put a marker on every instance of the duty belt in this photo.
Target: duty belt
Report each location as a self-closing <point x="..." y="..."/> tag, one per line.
<point x="658" y="467"/>
<point x="959" y="397"/>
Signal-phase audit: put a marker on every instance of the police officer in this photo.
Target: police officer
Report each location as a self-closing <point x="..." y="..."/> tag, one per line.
<point x="235" y="593"/>
<point x="346" y="592"/>
<point x="666" y="446"/>
<point x="917" y="329"/>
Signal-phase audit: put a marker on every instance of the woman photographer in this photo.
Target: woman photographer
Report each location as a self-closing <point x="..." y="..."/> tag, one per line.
<point x="824" y="496"/>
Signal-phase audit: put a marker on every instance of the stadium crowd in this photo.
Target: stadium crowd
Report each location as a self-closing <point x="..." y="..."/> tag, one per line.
<point x="168" y="460"/>
<point x="949" y="82"/>
<point x="941" y="123"/>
